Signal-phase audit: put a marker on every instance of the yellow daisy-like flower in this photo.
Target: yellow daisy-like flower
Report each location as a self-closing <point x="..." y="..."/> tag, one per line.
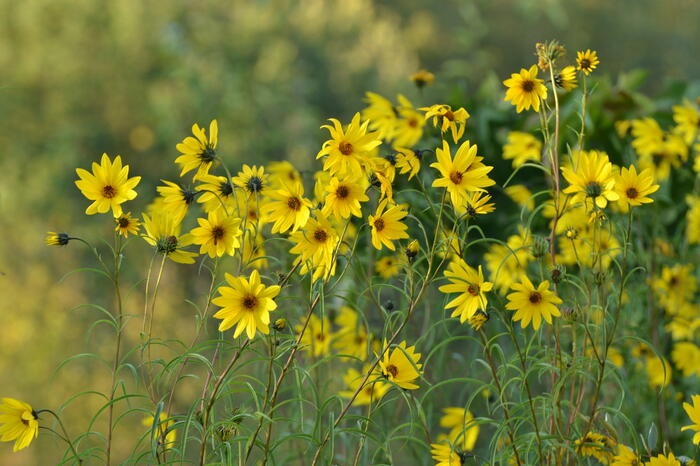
<point x="400" y="366"/>
<point x="599" y="446"/>
<point x="316" y="244"/>
<point x="372" y="390"/>
<point x="477" y="204"/>
<point x="533" y="304"/>
<point x="592" y="178"/>
<point x="282" y="173"/>
<point x="57" y="239"/>
<point x="252" y="179"/>
<point x="218" y="234"/>
<point x="463" y="430"/>
<point x="126" y="224"/>
<point x="388" y="266"/>
<point x="108" y="185"/>
<point x="470" y="285"/>
<point x="18" y="422"/>
<point x="165" y="435"/>
<point x="478" y="320"/>
<point x="344" y="196"/>
<point x="381" y="115"/>
<point x="587" y="61"/>
<point x="686" y="357"/>
<point x="317" y="337"/>
<point x="387" y="225"/>
<point x="176" y="199"/>
<point x="216" y="193"/>
<point x="422" y="78"/>
<point x="634" y="188"/>
<point x="658" y="371"/>
<point x="163" y="232"/>
<point x="521" y="148"/>
<point x="687" y="118"/>
<point x="625" y="457"/>
<point x="566" y="78"/>
<point x="693" y="412"/>
<point x="352" y="338"/>
<point x="348" y="150"/>
<point x="408" y="128"/>
<point x="663" y="460"/>
<point x="288" y="208"/>
<point x="463" y="174"/>
<point x="198" y="152"/>
<point x="246" y="303"/>
<point x="406" y="161"/>
<point x="444" y="455"/>
<point x="525" y="90"/>
<point x="521" y="196"/>
<point x="453" y="120"/>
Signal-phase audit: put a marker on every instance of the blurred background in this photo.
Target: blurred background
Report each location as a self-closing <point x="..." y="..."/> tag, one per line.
<point x="130" y="77"/>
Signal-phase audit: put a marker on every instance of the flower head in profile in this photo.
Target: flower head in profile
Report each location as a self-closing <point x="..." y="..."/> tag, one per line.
<point x="253" y="180"/>
<point x="282" y="173"/>
<point x="126" y="225"/>
<point x="343" y="197"/>
<point x="522" y="148"/>
<point x="470" y="285"/>
<point x="663" y="460"/>
<point x="445" y="455"/>
<point x="633" y="188"/>
<point x="525" y="90"/>
<point x="406" y="161"/>
<point x="587" y="61"/>
<point x="177" y="199"/>
<point x="477" y="204"/>
<point x="693" y="412"/>
<point x="599" y="446"/>
<point x="288" y="208"/>
<point x="400" y="366"/>
<point x="372" y="390"/>
<point x="566" y="78"/>
<point x="422" y="78"/>
<point x="165" y="434"/>
<point x="108" y="186"/>
<point x="218" y="234"/>
<point x="592" y="178"/>
<point x="216" y="193"/>
<point x="463" y="174"/>
<point x="478" y="320"/>
<point x="18" y="422"/>
<point x="57" y="239"/>
<point x="198" y="152"/>
<point x="532" y="304"/>
<point x="163" y="232"/>
<point x="463" y="430"/>
<point x="449" y="120"/>
<point x="387" y="225"/>
<point x="347" y="152"/>
<point x="246" y="303"/>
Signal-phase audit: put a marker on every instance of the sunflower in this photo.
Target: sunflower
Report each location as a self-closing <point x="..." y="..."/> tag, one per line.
<point x="405" y="161"/>
<point x="388" y="266"/>
<point x="412" y="250"/>
<point x="634" y="188"/>
<point x="533" y="304"/>
<point x="400" y="366"/>
<point x="218" y="234"/>
<point x="352" y="338"/>
<point x="372" y="390"/>
<point x="663" y="460"/>
<point x="288" y="207"/>
<point x="477" y="204"/>
<point x="462" y="174"/>
<point x="470" y="285"/>
<point x="315" y="245"/>
<point x="347" y="151"/>
<point x="381" y="115"/>
<point x="216" y="193"/>
<point x="343" y="197"/>
<point x="454" y="121"/>
<point x="422" y="78"/>
<point x="566" y="78"/>
<point x="687" y="119"/>
<point x="387" y="225"/>
<point x="592" y="178"/>
<point x="625" y="457"/>
<point x="463" y="430"/>
<point x="281" y="173"/>
<point x="317" y="336"/>
<point x="598" y="446"/>
<point x="522" y="148"/>
<point x="18" y="422"/>
<point x="57" y="239"/>
<point x="109" y="185"/>
<point x="252" y="179"/>
<point x="686" y="357"/>
<point x="176" y="199"/>
<point x="198" y="152"/>
<point x="525" y="90"/>
<point x="445" y="455"/>
<point x="587" y="61"/>
<point x="163" y="231"/>
<point x="693" y="412"/>
<point x="478" y="320"/>
<point x="166" y="434"/>
<point x="675" y="286"/>
<point x="246" y="303"/>
<point x="521" y="196"/>
<point x="126" y="224"/>
<point x="408" y="128"/>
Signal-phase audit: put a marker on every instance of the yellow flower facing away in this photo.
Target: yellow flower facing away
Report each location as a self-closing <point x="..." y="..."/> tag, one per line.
<point x="287" y="208"/>
<point x="598" y="446"/>
<point x="317" y="336"/>
<point x="412" y="250"/>
<point x="566" y="78"/>
<point x="587" y="61"/>
<point x="633" y="188"/>
<point x="406" y="161"/>
<point x="422" y="78"/>
<point x="478" y="320"/>
<point x="592" y="178"/>
<point x="463" y="430"/>
<point x="252" y="180"/>
<point x="176" y="199"/>
<point x="470" y="285"/>
<point x="198" y="152"/>
<point x="463" y="174"/>
<point x="215" y="193"/>
<point x="408" y="128"/>
<point x="246" y="303"/>
<point x="344" y="197"/>
<point x="387" y="225"/>
<point x="686" y="358"/>
<point x="218" y="234"/>
<point x="454" y="121"/>
<point x="18" y="422"/>
<point x="372" y="391"/>
<point x="663" y="460"/>
<point x="444" y="455"/>
<point x="693" y="412"/>
<point x="477" y="204"/>
<point x="388" y="266"/>
<point x="687" y="119"/>
<point x="532" y="304"/>
<point x="126" y="225"/>
<point x="315" y="245"/>
<point x="522" y="148"/>
<point x="348" y="151"/>
<point x="164" y="433"/>
<point x="381" y="115"/>
<point x="163" y="231"/>
<point x="521" y="196"/>
<point x="57" y="239"/>
<point x="525" y="90"/>
<point x="625" y="457"/>
<point x="282" y="173"/>
<point x="400" y="366"/>
<point x="108" y="186"/>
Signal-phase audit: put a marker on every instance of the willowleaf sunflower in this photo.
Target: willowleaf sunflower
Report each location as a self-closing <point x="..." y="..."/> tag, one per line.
<point x="344" y="196"/>
<point x="470" y="285"/>
<point x="126" y="224"/>
<point x="288" y="208"/>
<point x="400" y="365"/>
<point x="348" y="151"/>
<point x="176" y="199"/>
<point x="108" y="185"/>
<point x="448" y="120"/>
<point x="633" y="188"/>
<point x="198" y="152"/>
<point x="387" y="225"/>
<point x="532" y="304"/>
<point x="525" y="90"/>
<point x="162" y="230"/>
<point x="252" y="179"/>
<point x="693" y="412"/>
<point x="463" y="174"/>
<point x="587" y="61"/>
<point x="592" y="178"/>
<point x="218" y="234"/>
<point x="18" y="422"/>
<point x="315" y="245"/>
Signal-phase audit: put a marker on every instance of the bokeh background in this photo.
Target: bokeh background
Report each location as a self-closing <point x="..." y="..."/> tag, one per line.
<point x="130" y="77"/>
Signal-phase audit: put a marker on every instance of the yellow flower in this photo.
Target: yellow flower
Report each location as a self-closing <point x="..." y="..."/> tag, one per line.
<point x="663" y="460"/>
<point x="316" y="244"/>
<point x="454" y="121"/>
<point x="675" y="286"/>
<point x="252" y="179"/>
<point x="633" y="188"/>
<point x="692" y="229"/>
<point x="246" y="303"/>
<point x="344" y="196"/>
<point x="521" y="148"/>
<point x="18" y="422"/>
<point x="400" y="366"/>
<point x="352" y="338"/>
<point x="198" y="152"/>
<point x="445" y="455"/>
<point x="321" y="180"/>
<point x="388" y="266"/>
<point x="282" y="173"/>
<point x="463" y="430"/>
<point x="288" y="208"/>
<point x="533" y="304"/>
<point x="406" y="161"/>
<point x="347" y="151"/>
<point x="372" y="390"/>
<point x="176" y="199"/>
<point x="109" y="185"/>
<point x="693" y="412"/>
<point x="381" y="115"/>
<point x="382" y="174"/>
<point x="587" y="61"/>
<point x="658" y="371"/>
<point x="478" y="320"/>
<point x="218" y="234"/>
<point x="463" y="174"/>
<point x="387" y="225"/>
<point x="686" y="357"/>
<point x="216" y="193"/>
<point x="422" y="78"/>
<point x="408" y="128"/>
<point x="525" y="90"/>
<point x="625" y="457"/>
<point x="412" y="250"/>
<point x="507" y="265"/>
<point x="57" y="239"/>
<point x="126" y="224"/>
<point x="687" y="118"/>
<point x="163" y="232"/>
<point x="566" y="78"/>
<point x="477" y="204"/>
<point x="591" y="178"/>
<point x="470" y="285"/>
<point x="317" y="337"/>
<point x="165" y="436"/>
<point x="598" y="446"/>
<point x="521" y="196"/>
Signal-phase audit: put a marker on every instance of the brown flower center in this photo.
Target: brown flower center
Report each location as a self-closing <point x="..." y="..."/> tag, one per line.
<point x="294" y="203"/>
<point x="359" y="339"/>
<point x="449" y="115"/>
<point x="109" y="192"/>
<point x="250" y="302"/>
<point x="631" y="193"/>
<point x="342" y="192"/>
<point x="456" y="177"/>
<point x="320" y="336"/>
<point x="217" y="233"/>
<point x="585" y="63"/>
<point x="528" y="85"/>
<point x="535" y="297"/>
<point x="413" y="123"/>
<point x="393" y="370"/>
<point x="473" y="290"/>
<point x="379" y="224"/>
<point x="123" y="222"/>
<point x="345" y="148"/>
<point x="321" y="236"/>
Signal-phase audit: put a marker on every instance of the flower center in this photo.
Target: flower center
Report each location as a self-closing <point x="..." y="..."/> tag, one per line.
<point x="456" y="177"/>
<point x="528" y="85"/>
<point x="359" y="339"/>
<point x="593" y="189"/>
<point x="391" y="158"/>
<point x="379" y="224"/>
<point x="207" y="155"/>
<point x="320" y="336"/>
<point x="109" y="192"/>
<point x="226" y="188"/>
<point x="585" y="63"/>
<point x="393" y="370"/>
<point x="254" y="184"/>
<point x="167" y="244"/>
<point x="252" y="214"/>
<point x="217" y="233"/>
<point x="632" y="193"/>
<point x="413" y="122"/>
<point x="535" y="297"/>
<point x="250" y="302"/>
<point x="473" y="290"/>
<point x="471" y="211"/>
<point x="345" y="148"/>
<point x="321" y="236"/>
<point x="449" y="115"/>
<point x="187" y="195"/>
<point x="342" y="192"/>
<point x="294" y="203"/>
<point x="123" y="222"/>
